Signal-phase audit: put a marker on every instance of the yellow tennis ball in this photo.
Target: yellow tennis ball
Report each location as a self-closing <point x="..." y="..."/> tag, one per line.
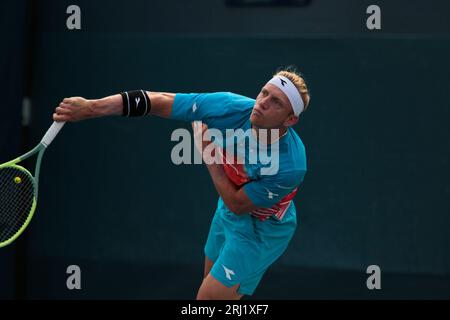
<point x="17" y="180"/>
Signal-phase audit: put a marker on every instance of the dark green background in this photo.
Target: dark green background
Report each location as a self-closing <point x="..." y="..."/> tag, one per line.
<point x="112" y="202"/>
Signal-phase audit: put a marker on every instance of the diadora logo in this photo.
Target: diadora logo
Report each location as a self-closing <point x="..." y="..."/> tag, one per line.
<point x="137" y="101"/>
<point x="194" y="107"/>
<point x="282" y="82"/>
<point x="228" y="272"/>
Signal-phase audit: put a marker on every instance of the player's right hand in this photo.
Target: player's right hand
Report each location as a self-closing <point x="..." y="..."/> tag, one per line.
<point x="74" y="109"/>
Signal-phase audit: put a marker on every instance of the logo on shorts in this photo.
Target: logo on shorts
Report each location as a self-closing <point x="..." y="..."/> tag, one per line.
<point x="228" y="272"/>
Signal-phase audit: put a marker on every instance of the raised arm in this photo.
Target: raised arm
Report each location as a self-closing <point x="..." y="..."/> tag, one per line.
<point x="78" y="108"/>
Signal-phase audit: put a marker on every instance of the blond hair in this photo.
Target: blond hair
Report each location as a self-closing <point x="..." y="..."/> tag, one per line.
<point x="298" y="81"/>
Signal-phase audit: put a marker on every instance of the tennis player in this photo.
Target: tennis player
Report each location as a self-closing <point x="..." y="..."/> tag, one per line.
<point x="255" y="217"/>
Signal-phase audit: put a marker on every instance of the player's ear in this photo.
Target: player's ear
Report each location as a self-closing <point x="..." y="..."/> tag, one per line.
<point x="291" y="120"/>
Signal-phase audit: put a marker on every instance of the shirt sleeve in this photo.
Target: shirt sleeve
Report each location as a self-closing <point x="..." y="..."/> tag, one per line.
<point x="269" y="190"/>
<point x="217" y="110"/>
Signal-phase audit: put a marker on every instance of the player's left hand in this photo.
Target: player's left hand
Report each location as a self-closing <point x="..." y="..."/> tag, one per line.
<point x="202" y="142"/>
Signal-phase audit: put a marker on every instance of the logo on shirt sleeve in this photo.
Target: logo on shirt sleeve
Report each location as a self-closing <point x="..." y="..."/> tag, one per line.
<point x="228" y="272"/>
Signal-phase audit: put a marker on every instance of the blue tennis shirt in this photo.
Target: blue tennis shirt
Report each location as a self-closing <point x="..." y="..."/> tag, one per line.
<point x="270" y="186"/>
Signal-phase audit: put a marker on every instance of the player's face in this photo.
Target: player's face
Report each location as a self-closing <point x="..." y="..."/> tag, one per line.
<point x="272" y="108"/>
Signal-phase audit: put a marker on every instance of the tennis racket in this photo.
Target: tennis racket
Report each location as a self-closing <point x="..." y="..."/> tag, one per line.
<point x="19" y="190"/>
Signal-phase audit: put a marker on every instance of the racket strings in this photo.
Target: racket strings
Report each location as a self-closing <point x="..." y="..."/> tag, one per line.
<point x="16" y="200"/>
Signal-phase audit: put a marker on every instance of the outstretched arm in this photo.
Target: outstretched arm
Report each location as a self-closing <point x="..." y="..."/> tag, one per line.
<point x="78" y="108"/>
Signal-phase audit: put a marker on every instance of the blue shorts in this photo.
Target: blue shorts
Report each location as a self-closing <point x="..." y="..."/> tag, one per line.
<point x="243" y="247"/>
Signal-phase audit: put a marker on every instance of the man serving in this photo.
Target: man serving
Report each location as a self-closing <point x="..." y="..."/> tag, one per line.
<point x="255" y="217"/>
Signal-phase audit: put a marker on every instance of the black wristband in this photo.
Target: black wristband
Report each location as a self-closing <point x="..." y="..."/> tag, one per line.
<point x="135" y="103"/>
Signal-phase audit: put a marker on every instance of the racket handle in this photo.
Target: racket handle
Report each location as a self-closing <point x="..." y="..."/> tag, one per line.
<point x="51" y="133"/>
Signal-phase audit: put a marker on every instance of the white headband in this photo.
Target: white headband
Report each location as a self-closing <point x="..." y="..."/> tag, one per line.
<point x="285" y="85"/>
